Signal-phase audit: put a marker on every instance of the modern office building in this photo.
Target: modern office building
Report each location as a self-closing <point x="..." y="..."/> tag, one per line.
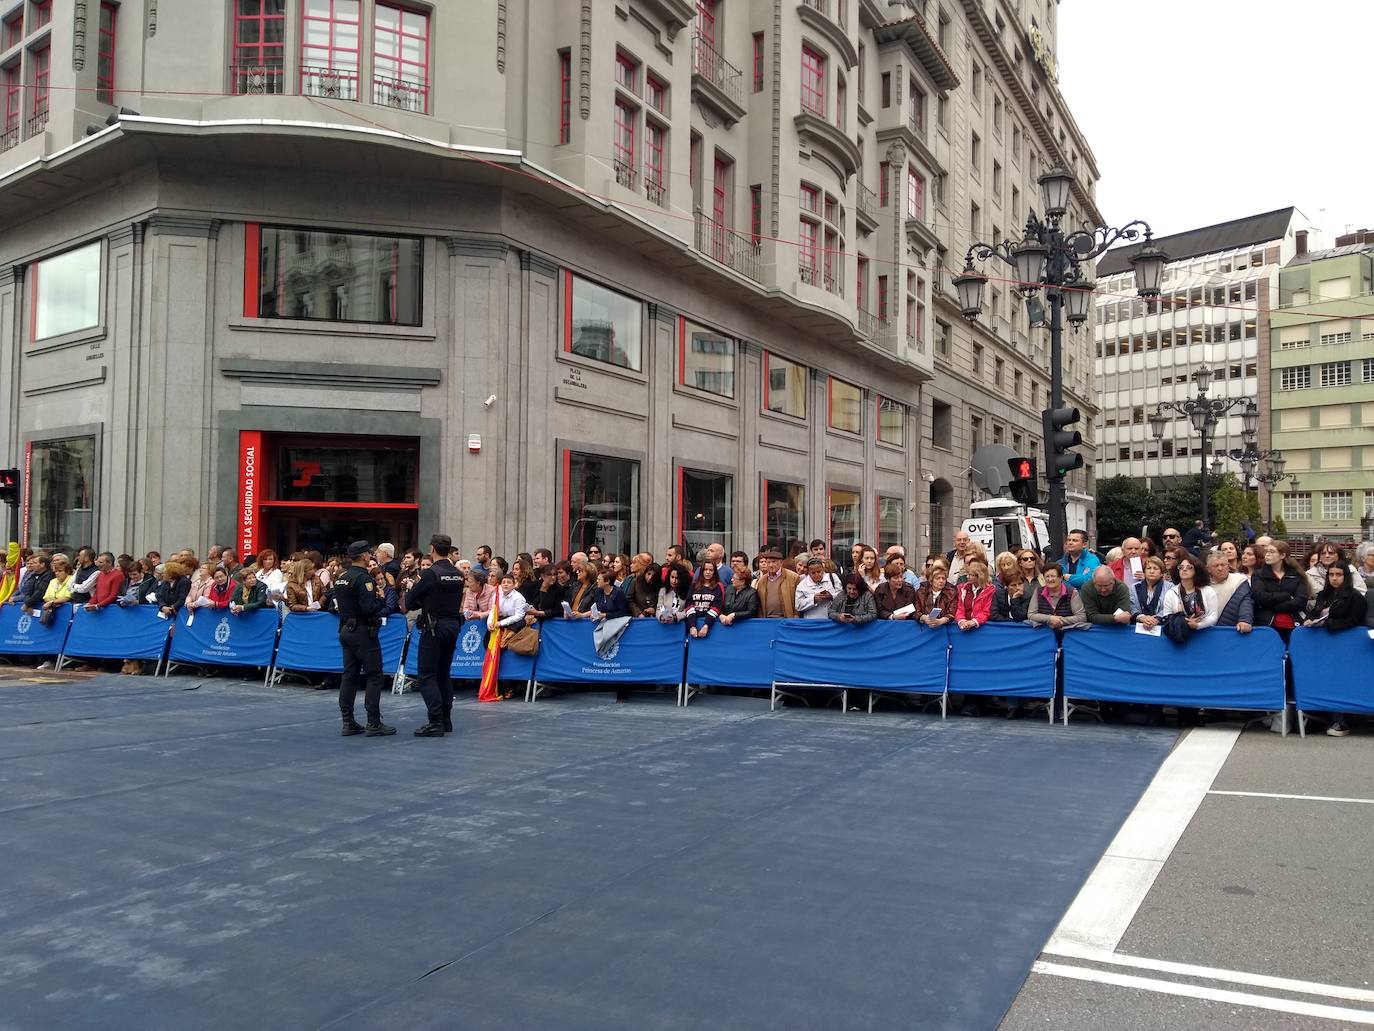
<point x="291" y="272"/>
<point x="1218" y="289"/>
<point x="1322" y="388"/>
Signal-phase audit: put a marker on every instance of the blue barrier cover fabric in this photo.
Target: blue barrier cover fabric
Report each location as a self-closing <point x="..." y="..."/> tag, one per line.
<point x="219" y="637"/>
<point x="310" y="641"/>
<point x="649" y="652"/>
<point x="1332" y="672"/>
<point x="118" y="633"/>
<point x="739" y="655"/>
<point x="468" y="656"/>
<point x="1216" y="668"/>
<point x="22" y="634"/>
<point x="1009" y="659"/>
<point x="881" y="656"/>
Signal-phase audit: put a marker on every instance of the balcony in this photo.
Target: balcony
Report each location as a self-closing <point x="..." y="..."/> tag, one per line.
<point x="9" y="139"/>
<point x="257" y="79"/>
<point x="723" y="244"/>
<point x="810" y="275"/>
<point x="36" y="124"/>
<point x="868" y="323"/>
<point x="329" y="83"/>
<point x="655" y="191"/>
<point x="865" y="208"/>
<point x="822" y="135"/>
<point x="829" y="18"/>
<point x="917" y="124"/>
<point x="402" y="94"/>
<point x="832" y="281"/>
<point x="626" y="175"/>
<point x="716" y="82"/>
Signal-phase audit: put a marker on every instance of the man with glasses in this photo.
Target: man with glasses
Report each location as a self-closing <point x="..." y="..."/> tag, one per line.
<point x="1172" y="539"/>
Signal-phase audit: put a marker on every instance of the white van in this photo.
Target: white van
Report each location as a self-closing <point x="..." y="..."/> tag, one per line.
<point x="1000" y="524"/>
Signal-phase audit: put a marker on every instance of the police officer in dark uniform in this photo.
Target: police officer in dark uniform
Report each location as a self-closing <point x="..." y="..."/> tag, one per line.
<point x="359" y="607"/>
<point x="439" y="596"/>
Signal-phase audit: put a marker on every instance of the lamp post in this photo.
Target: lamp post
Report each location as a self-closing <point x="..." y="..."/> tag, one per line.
<point x="1271" y="477"/>
<point x="1204" y="412"/>
<point x="1050" y="256"/>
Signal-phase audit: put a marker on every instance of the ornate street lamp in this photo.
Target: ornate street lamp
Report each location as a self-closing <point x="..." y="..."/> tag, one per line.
<point x="1051" y="257"/>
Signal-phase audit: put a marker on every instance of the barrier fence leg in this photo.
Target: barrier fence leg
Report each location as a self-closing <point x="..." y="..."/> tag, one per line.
<point x="773" y="697"/>
<point x="1302" y="724"/>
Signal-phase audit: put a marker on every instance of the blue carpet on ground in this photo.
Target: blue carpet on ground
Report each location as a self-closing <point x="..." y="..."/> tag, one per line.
<point x="218" y="857"/>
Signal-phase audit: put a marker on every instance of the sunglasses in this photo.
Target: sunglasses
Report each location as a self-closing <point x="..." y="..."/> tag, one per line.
<point x="1027" y="558"/>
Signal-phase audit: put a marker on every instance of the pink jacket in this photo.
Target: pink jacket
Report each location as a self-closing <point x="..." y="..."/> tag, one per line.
<point x="975" y="603"/>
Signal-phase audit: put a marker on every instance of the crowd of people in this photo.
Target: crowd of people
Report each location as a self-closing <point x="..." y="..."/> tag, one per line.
<point x="1165" y="586"/>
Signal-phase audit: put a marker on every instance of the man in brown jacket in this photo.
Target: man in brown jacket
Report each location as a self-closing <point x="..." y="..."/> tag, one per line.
<point x="776" y="587"/>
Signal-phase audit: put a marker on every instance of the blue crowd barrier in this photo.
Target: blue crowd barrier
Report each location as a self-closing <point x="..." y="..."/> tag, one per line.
<point x="470" y="654"/>
<point x="894" y="656"/>
<point x="310" y="642"/>
<point x="738" y="655"/>
<point x="114" y="632"/>
<point x="649" y="652"/>
<point x="21" y="632"/>
<point x="1013" y="660"/>
<point x="1332" y="672"/>
<point x="1217" y="668"/>
<point x="220" y="638"/>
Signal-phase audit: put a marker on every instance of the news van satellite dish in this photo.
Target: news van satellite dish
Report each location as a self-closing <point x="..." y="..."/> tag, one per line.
<point x="990" y="470"/>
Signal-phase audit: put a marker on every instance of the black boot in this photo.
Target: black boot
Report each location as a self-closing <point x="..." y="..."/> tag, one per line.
<point x="376" y="728"/>
<point x="430" y="729"/>
<point x="350" y="725"/>
<point x="448" y="719"/>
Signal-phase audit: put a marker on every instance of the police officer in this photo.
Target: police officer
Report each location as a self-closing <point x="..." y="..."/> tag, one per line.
<point x="359" y="607"/>
<point x="439" y="596"/>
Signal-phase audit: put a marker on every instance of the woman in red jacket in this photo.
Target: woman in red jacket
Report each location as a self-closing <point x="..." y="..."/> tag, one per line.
<point x="975" y="597"/>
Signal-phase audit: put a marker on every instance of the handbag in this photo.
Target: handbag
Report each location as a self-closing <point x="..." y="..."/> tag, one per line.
<point x="1176" y="627"/>
<point x="524" y="641"/>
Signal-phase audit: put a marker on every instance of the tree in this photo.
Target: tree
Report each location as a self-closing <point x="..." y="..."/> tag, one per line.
<point x="1228" y="508"/>
<point x="1124" y="505"/>
<point x="1181" y="504"/>
<point x="1280" y="527"/>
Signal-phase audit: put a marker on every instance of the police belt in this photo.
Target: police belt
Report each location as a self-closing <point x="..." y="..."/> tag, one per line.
<point x="351" y="625"/>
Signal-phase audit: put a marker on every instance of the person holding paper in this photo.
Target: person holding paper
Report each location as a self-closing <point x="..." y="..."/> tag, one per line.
<point x="1147" y="598"/>
<point x="894" y="598"/>
<point x="937" y="598"/>
<point x="1106" y="602"/>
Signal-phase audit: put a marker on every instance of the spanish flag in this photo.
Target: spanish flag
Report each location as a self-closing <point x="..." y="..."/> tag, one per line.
<point x="487" y="692"/>
<point x="12" y="570"/>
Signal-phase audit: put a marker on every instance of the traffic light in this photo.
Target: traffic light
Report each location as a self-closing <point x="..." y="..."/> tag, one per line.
<point x="9" y="486"/>
<point x="1058" y="439"/>
<point x="1023" y="485"/>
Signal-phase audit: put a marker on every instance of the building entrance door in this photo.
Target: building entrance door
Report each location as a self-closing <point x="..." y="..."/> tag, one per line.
<point x="330" y="532"/>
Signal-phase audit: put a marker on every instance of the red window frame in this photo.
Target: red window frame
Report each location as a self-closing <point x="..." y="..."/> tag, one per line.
<point x="882" y="297"/>
<point x="14" y="98"/>
<point x="14" y="28"/>
<point x="257" y="52"/>
<point x="810" y="199"/>
<point x="755" y="214"/>
<point x="42" y="75"/>
<point x="624" y="137"/>
<point x="654" y="137"/>
<point x="656" y="93"/>
<point x="627" y="73"/>
<point x="706" y="20"/>
<point x="758" y="62"/>
<point x="813" y="81"/>
<point x="884" y="182"/>
<point x="336" y="58"/>
<point x="105" y="54"/>
<point x="915" y="194"/>
<point x="808" y="235"/>
<point x="861" y="283"/>
<point x="564" y="96"/>
<point x="720" y="189"/>
<point x="389" y="47"/>
<point x="42" y="14"/>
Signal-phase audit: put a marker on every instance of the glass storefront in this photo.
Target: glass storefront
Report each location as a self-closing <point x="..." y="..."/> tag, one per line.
<point x="708" y="360"/>
<point x="339" y="277"/>
<point x="601" y="503"/>
<point x="784" y="524"/>
<point x="67" y="292"/>
<point x="327" y="472"/>
<point x="604" y="325"/>
<point x="60" y="494"/>
<point x="889" y="524"/>
<point x="844" y="524"/>
<point x="706" y="509"/>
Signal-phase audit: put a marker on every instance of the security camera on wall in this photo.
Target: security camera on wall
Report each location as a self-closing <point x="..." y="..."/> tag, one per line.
<point x="489" y="401"/>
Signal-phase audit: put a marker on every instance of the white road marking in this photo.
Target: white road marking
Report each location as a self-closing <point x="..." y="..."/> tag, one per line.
<point x="1151" y="984"/>
<point x="1303" y="798"/>
<point x="1107" y="904"/>
<point x="1164" y="966"/>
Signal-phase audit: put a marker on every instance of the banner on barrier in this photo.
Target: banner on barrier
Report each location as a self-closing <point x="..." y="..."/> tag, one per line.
<point x="1013" y="660"/>
<point x="22" y="633"/>
<point x="1217" y="668"/>
<point x="310" y="642"/>
<point x="219" y="637"/>
<point x="884" y="655"/>
<point x="467" y="657"/>
<point x="738" y="655"/>
<point x="649" y="652"/>
<point x="136" y="632"/>
<point x="1332" y="672"/>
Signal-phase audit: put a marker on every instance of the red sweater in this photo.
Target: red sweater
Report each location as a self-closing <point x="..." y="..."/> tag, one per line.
<point x="108" y="586"/>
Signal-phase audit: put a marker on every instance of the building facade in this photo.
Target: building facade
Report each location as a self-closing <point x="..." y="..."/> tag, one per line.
<point x="291" y="272"/>
<point x="1219" y="286"/>
<point x="1322" y="389"/>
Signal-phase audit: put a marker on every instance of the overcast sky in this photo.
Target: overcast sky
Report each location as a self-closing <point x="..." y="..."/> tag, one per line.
<point x="1200" y="111"/>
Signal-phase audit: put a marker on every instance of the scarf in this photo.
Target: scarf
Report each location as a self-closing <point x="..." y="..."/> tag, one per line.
<point x="1149" y="603"/>
<point x="1192" y="603"/>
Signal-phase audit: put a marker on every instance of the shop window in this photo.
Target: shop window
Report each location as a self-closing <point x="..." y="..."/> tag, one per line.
<point x="843" y="521"/>
<point x="784" y="386"/>
<point x="59" y="494"/>
<point x="600" y="503"/>
<point x="706" y="509"/>
<point x="891" y="422"/>
<point x="846" y="401"/>
<point x="601" y="324"/>
<point x="890" y="523"/>
<point x="345" y="473"/>
<point x="706" y="359"/>
<point x="784" y="515"/>
<point x="66" y="292"/>
<point x="323" y="276"/>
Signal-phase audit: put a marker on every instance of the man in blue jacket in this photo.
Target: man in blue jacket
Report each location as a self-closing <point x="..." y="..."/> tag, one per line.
<point x="1077" y="561"/>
